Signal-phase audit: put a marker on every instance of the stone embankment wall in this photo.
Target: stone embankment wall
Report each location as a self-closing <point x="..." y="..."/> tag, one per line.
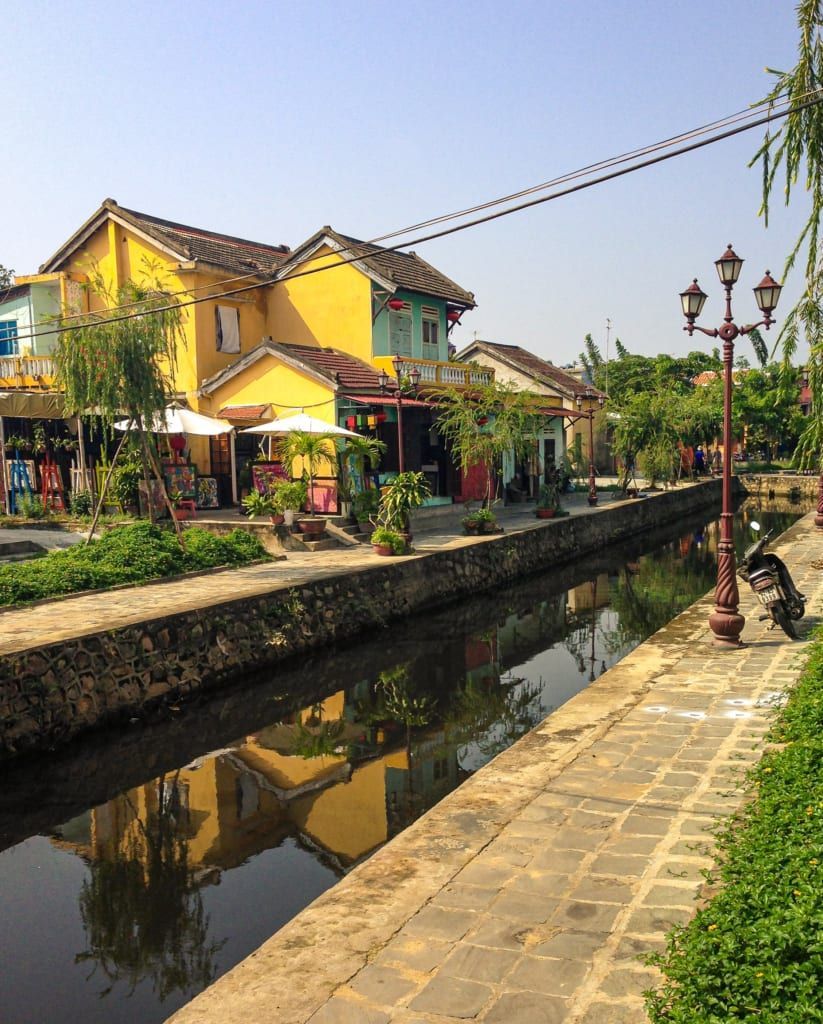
<point x="781" y="485"/>
<point x="56" y="691"/>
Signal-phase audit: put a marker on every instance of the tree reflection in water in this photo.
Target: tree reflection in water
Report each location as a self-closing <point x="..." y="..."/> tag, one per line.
<point x="142" y="911"/>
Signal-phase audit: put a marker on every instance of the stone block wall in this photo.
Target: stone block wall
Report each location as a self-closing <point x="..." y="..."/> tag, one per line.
<point x="52" y="693"/>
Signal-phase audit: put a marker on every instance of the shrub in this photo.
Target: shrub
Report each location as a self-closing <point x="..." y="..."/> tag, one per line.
<point x="127" y="554"/>
<point x="81" y="503"/>
<point x="753" y="953"/>
<point x="389" y="538"/>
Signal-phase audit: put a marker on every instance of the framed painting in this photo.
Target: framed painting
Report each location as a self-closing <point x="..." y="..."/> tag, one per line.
<point x="207" y="492"/>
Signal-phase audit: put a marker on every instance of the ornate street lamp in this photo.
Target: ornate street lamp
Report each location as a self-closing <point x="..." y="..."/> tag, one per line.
<point x="589" y="396"/>
<point x="726" y="622"/>
<point x="404" y="384"/>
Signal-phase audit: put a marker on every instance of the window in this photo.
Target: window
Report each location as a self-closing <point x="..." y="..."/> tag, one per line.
<point x="227" y="329"/>
<point x="8" y="337"/>
<point x="400" y="330"/>
<point x="431" y="332"/>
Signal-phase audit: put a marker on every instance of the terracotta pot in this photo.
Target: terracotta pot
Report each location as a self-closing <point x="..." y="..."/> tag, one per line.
<point x="311" y="527"/>
<point x="382" y="549"/>
<point x="544" y="513"/>
<point x="277" y="519"/>
<point x="488" y="527"/>
<point x="472" y="529"/>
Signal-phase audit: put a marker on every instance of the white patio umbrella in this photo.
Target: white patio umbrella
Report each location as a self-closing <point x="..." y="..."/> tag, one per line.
<point x="183" y="421"/>
<point x="302" y="421"/>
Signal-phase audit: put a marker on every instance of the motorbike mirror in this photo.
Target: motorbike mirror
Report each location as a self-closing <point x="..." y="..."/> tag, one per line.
<point x="754" y="525"/>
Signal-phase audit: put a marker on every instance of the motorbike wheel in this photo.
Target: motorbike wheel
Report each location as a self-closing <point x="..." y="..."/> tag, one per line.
<point x="779" y="616"/>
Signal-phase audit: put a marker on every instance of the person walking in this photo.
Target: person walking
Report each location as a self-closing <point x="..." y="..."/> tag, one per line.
<point x="699" y="461"/>
<point x="717" y="462"/>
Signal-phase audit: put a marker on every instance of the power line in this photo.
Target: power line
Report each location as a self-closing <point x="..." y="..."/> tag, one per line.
<point x="290" y="274"/>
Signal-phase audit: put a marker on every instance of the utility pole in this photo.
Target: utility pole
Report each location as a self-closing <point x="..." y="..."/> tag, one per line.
<point x="608" y="330"/>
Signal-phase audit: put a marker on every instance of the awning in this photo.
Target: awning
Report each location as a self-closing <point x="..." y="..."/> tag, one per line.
<point x="571" y="413"/>
<point x="29" y="405"/>
<point x="387" y="400"/>
<point x="245" y="412"/>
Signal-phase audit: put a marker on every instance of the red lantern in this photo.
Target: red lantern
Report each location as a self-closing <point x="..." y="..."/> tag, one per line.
<point x="395" y="304"/>
<point x="351" y="422"/>
<point x="453" y="315"/>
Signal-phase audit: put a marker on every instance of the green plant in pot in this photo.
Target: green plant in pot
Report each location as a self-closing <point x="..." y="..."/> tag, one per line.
<point x="366" y="505"/>
<point x="290" y="497"/>
<point x="388" y="542"/>
<point x="406" y="492"/>
<point x="312" y="449"/>
<point x="548" y="500"/>
<point x="258" y="504"/>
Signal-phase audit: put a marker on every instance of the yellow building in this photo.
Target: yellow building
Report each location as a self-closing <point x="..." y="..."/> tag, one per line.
<point x="270" y="331"/>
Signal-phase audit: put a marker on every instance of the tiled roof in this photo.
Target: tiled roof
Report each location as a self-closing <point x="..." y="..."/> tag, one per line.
<point x="705" y="377"/>
<point x="15" y="291"/>
<point x="530" y="364"/>
<point x="403" y="269"/>
<point x="244" y="412"/>
<point x="349" y="373"/>
<point x="238" y="255"/>
<point x="221" y="250"/>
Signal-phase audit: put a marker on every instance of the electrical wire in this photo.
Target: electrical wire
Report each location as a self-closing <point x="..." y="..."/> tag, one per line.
<point x="290" y="274"/>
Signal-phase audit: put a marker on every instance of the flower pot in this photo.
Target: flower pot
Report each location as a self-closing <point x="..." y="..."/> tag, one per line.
<point x="311" y="527"/>
<point x="544" y="513"/>
<point x="277" y="518"/>
<point x="488" y="527"/>
<point x="472" y="529"/>
<point x="288" y="516"/>
<point x="382" y="549"/>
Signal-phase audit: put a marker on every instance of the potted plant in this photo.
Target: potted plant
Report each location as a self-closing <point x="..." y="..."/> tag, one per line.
<point x="290" y="496"/>
<point x="401" y="496"/>
<point x="471" y="523"/>
<point x="180" y="514"/>
<point x="366" y="504"/>
<point x="312" y="448"/>
<point x="486" y="521"/>
<point x="548" y="500"/>
<point x="388" y="542"/>
<point x="257" y="504"/>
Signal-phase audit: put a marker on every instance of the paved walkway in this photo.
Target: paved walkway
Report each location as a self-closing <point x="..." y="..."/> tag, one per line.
<point x="526" y="896"/>
<point x="21" y="628"/>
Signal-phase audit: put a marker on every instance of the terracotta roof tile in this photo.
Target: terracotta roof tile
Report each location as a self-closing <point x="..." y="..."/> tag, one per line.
<point x="347" y="371"/>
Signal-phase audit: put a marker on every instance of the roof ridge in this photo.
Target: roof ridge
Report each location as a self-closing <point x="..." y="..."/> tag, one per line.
<point x="204" y="232"/>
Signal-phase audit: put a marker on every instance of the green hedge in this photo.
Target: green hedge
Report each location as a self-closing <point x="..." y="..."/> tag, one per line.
<point x="126" y="554"/>
<point x="755" y="952"/>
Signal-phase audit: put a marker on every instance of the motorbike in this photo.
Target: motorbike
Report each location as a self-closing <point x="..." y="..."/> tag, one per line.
<point x="772" y="584"/>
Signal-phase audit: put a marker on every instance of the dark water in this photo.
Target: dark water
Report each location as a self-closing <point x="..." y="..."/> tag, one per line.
<point x="138" y="867"/>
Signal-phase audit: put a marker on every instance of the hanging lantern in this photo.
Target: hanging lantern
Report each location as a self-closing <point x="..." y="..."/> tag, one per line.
<point x="453" y="315"/>
<point x="395" y="304"/>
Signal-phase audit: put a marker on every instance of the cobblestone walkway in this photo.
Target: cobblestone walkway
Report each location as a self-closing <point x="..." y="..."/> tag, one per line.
<point x="527" y="896"/>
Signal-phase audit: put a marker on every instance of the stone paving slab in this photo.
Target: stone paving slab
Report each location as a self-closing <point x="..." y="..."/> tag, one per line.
<point x="528" y="896"/>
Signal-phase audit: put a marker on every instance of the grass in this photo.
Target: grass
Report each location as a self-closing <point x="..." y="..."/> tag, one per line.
<point x="754" y="953"/>
<point x="134" y="553"/>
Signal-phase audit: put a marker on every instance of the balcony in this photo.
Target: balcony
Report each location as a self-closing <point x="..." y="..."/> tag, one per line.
<point x="434" y="373"/>
<point x="26" y="372"/>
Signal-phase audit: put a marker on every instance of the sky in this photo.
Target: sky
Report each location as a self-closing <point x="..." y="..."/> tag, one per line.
<point x="267" y="120"/>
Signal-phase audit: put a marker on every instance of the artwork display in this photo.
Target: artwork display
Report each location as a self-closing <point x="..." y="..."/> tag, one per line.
<point x="207" y="492"/>
<point x="181" y="479"/>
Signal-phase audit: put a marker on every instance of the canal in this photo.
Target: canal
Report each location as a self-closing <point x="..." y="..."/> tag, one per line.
<point x="137" y="866"/>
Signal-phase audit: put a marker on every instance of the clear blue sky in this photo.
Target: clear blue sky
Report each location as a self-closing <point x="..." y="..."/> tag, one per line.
<point x="268" y="120"/>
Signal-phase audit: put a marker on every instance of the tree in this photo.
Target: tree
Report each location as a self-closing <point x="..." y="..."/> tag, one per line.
<point x="796" y="147"/>
<point x="122" y="367"/>
<point x="483" y="424"/>
<point x="313" y="448"/>
<point x="6" y="277"/>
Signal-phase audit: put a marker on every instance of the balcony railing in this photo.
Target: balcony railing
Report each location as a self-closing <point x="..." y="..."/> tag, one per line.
<point x="26" y="371"/>
<point x="447" y="374"/>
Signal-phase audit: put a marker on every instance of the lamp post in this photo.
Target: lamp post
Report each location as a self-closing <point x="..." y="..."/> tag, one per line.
<point x="384" y="380"/>
<point x="726" y="622"/>
<point x="589" y="395"/>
